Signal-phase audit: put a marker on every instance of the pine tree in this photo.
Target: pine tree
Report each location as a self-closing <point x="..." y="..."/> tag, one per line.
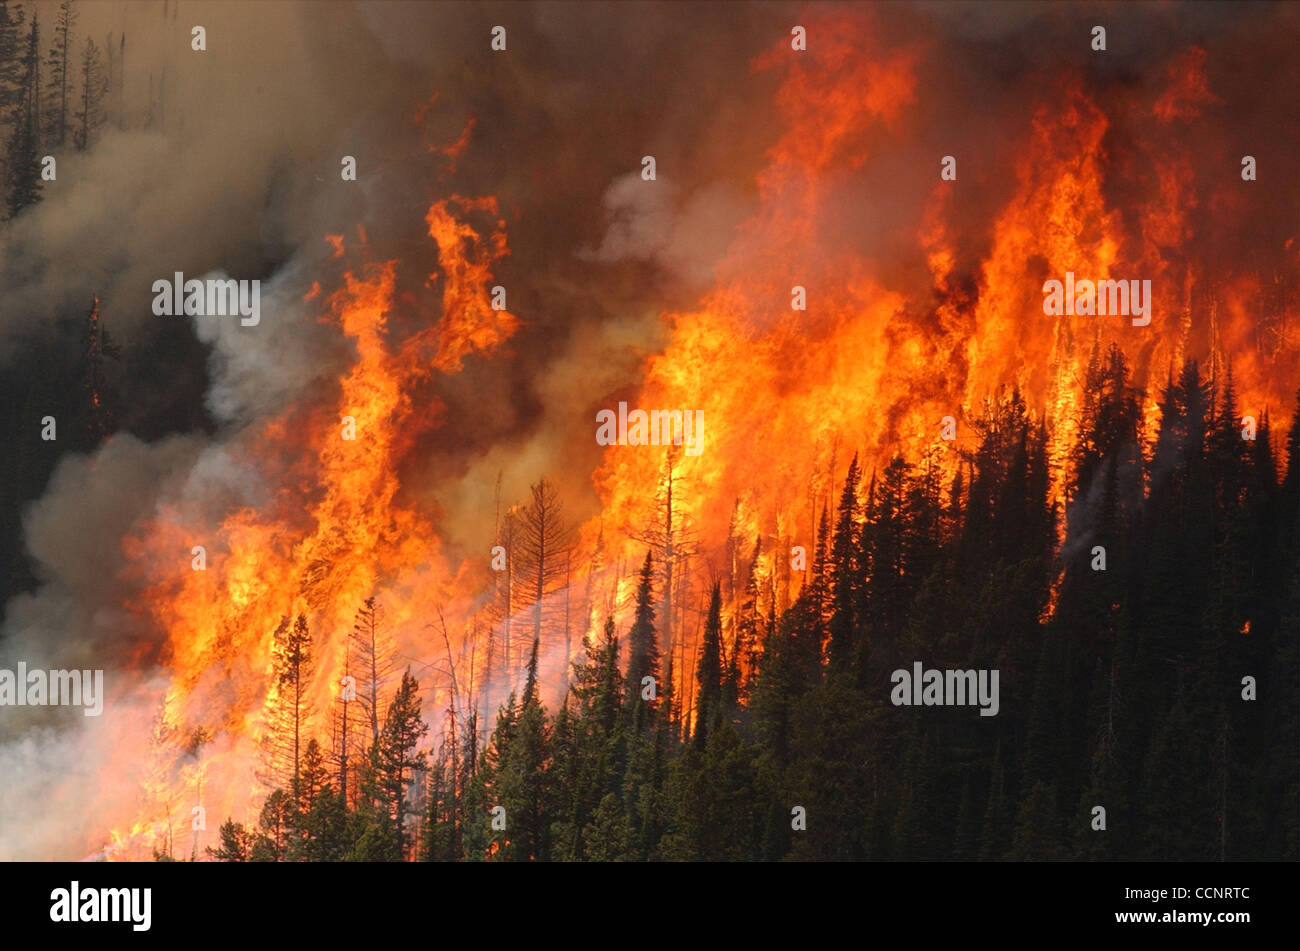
<point x="815" y="592"/>
<point x="499" y="669"/>
<point x="11" y="66"/>
<point x="485" y="791"/>
<point x="319" y="813"/>
<point x="372" y="653"/>
<point x="291" y="656"/>
<point x="397" y="756"/>
<point x="609" y="834"/>
<point x="344" y="730"/>
<point x="1289" y="502"/>
<point x="59" y="83"/>
<point x="835" y="770"/>
<point x="96" y="408"/>
<point x="236" y="843"/>
<point x="24" y="142"/>
<point x="708" y="675"/>
<point x="642" y="646"/>
<point x="441" y="840"/>
<point x="718" y="805"/>
<point x="274" y="828"/>
<point x="1177" y="537"/>
<point x="892" y="582"/>
<point x="313" y="777"/>
<point x="778" y="686"/>
<point x="523" y="782"/>
<point x="543" y="547"/>
<point x="847" y="574"/>
<point x="741" y="666"/>
<point x="589" y="758"/>
<point x="327" y="831"/>
<point x="94" y="87"/>
<point x="670" y="534"/>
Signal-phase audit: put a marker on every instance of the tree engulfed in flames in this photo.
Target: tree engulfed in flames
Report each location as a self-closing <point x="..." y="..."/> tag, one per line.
<point x="788" y="396"/>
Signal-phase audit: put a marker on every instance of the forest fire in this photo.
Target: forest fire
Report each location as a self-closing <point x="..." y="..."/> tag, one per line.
<point x="824" y="389"/>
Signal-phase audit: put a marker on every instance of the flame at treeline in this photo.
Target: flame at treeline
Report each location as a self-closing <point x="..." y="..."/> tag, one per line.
<point x="883" y="351"/>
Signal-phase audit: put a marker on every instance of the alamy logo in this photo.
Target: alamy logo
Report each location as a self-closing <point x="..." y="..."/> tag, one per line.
<point x="53" y="688"/>
<point x="1126" y="298"/>
<point x="658" y="427"/>
<point x="946" y="688"/>
<point x="211" y="298"/>
<point x="103" y="904"/>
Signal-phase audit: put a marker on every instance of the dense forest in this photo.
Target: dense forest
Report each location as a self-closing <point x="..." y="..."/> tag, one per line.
<point x="1122" y="652"/>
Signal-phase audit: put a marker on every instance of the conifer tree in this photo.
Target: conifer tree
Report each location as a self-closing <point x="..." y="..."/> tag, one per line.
<point x="94" y="87"/>
<point x="290" y="709"/>
<point x="397" y="756"/>
<point x="58" y="61"/>
<point x="11" y="66"/>
<point x="372" y="653"/>
<point x="522" y="779"/>
<point x="236" y="843"/>
<point x="708" y="705"/>
<point x="847" y="574"/>
<point x="642" y="646"/>
<point x="275" y="824"/>
<point x="24" y="142"/>
<point x="543" y="548"/>
<point x="670" y="534"/>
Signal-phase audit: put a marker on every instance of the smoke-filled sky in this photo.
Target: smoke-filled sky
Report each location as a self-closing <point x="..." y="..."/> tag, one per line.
<point x="240" y="170"/>
<point x="228" y="161"/>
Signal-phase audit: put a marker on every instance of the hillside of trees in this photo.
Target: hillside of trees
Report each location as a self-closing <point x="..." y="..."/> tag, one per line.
<point x="1125" y="693"/>
<point x="55" y="92"/>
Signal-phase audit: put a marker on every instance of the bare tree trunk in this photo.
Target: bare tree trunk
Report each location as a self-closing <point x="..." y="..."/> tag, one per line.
<point x="568" y="647"/>
<point x="669" y="558"/>
<point x="343" y="749"/>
